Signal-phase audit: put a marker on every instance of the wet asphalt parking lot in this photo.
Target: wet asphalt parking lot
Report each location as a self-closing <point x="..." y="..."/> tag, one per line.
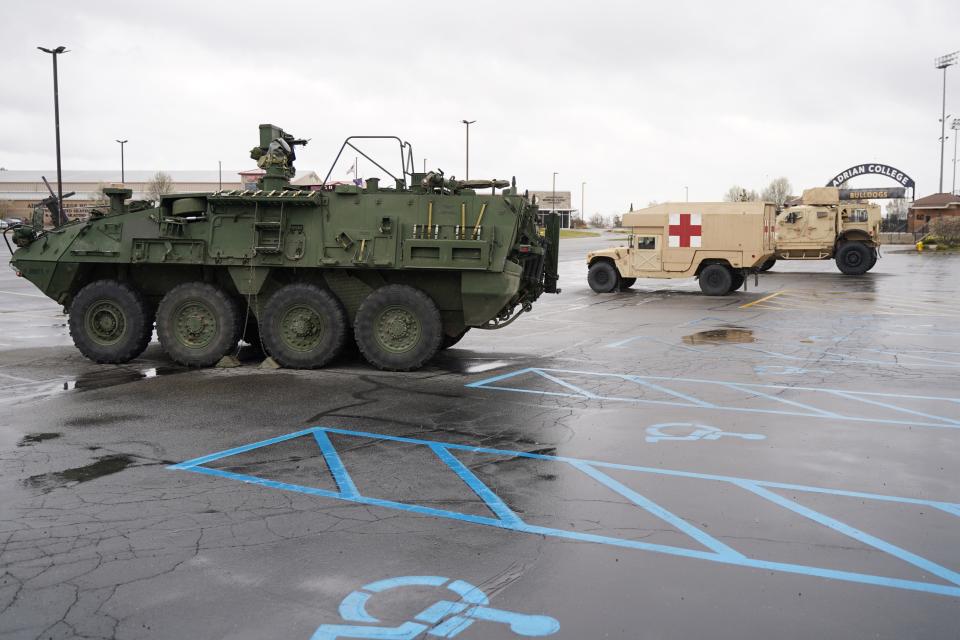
<point x="780" y="463"/>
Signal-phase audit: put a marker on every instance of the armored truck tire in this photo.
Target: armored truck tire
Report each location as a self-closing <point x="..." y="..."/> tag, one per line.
<point x="766" y="266"/>
<point x="716" y="280"/>
<point x="448" y="340"/>
<point x="398" y="328"/>
<point x="110" y="322"/>
<point x="873" y="258"/>
<point x="854" y="258"/>
<point x="603" y="277"/>
<point x="626" y="283"/>
<point x="304" y="326"/>
<point x="198" y="324"/>
<point x="738" y="280"/>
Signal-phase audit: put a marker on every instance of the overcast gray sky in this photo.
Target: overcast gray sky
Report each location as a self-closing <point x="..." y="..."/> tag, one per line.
<point x="636" y="99"/>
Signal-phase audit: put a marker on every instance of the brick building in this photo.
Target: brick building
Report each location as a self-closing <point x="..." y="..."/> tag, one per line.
<point x="924" y="210"/>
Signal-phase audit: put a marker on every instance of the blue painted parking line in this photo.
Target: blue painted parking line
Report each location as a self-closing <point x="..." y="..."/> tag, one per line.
<point x="503" y="517"/>
<point x="854" y="410"/>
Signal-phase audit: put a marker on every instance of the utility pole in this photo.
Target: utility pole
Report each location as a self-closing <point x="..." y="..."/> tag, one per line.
<point x="123" y="175"/>
<point x="220" y="175"/>
<point x="582" y="211"/>
<point x="468" y="123"/>
<point x="56" y="121"/>
<point x="553" y="204"/>
<point x="942" y="62"/>
<point x="955" y="125"/>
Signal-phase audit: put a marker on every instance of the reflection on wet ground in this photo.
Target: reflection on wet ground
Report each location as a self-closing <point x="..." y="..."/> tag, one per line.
<point x="114" y="377"/>
<point x="104" y="466"/>
<point x="720" y="336"/>
<point x="34" y="438"/>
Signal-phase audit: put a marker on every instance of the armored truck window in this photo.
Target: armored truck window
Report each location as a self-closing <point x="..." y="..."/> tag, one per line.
<point x="645" y="242"/>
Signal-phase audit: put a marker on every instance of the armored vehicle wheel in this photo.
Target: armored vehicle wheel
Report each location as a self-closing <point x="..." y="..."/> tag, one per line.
<point x="603" y="277"/>
<point x="398" y="328"/>
<point x="738" y="279"/>
<point x="716" y="280"/>
<point x="854" y="258"/>
<point x="766" y="266"/>
<point x="110" y="322"/>
<point x="197" y="324"/>
<point x="303" y="326"/>
<point x="449" y="341"/>
<point x="626" y="283"/>
<point x="873" y="258"/>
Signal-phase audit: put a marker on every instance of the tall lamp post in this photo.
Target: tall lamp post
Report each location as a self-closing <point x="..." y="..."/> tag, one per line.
<point x="468" y="123"/>
<point x="943" y="62"/>
<point x="583" y="186"/>
<point x="123" y="174"/>
<point x="56" y="120"/>
<point x="553" y="203"/>
<point x="955" y="125"/>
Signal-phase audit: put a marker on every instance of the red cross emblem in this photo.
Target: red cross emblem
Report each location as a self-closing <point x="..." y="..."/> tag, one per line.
<point x="684" y="230"/>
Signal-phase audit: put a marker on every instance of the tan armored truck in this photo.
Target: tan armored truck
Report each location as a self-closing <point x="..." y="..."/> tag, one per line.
<point x="823" y="227"/>
<point x="717" y="242"/>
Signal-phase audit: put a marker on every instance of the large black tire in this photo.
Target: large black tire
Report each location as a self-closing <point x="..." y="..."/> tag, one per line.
<point x="874" y="255"/>
<point x="109" y="322"/>
<point x="303" y="326"/>
<point x="716" y="280"/>
<point x="603" y="277"/>
<point x="738" y="279"/>
<point x="854" y="258"/>
<point x="198" y="324"/>
<point x="766" y="266"/>
<point x="626" y="283"/>
<point x="448" y="341"/>
<point x="398" y="328"/>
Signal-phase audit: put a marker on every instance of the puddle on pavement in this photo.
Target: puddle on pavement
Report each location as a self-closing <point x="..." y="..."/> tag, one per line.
<point x="733" y="335"/>
<point x="114" y="377"/>
<point x="34" y="438"/>
<point x="104" y="466"/>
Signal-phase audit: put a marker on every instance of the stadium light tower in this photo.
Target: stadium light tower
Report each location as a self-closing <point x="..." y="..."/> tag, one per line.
<point x="123" y="174"/>
<point x="955" y="125"/>
<point x="943" y="62"/>
<point x="468" y="123"/>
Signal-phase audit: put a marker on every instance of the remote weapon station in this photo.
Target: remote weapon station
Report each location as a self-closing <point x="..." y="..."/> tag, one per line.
<point x="406" y="269"/>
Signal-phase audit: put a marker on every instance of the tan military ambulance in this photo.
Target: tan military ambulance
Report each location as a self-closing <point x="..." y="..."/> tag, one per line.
<point x="824" y="227"/>
<point x="717" y="242"/>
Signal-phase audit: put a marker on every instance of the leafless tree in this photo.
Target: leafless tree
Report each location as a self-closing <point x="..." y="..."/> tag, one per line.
<point x="597" y="220"/>
<point x="777" y="192"/>
<point x="898" y="208"/>
<point x="617" y="221"/>
<point x="946" y="230"/>
<point x="736" y="193"/>
<point x="160" y="185"/>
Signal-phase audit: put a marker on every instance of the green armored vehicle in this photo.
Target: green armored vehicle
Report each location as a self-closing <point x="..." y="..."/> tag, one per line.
<point x="407" y="269"/>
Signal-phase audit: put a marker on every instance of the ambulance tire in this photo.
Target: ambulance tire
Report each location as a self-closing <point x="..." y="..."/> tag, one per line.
<point x="854" y="258"/>
<point x="626" y="283"/>
<point x="603" y="277"/>
<point x="716" y="280"/>
<point x="766" y="266"/>
<point x="738" y="279"/>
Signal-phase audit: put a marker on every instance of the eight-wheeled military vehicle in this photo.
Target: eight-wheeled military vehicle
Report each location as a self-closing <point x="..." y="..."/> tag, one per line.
<point x="718" y="242"/>
<point x="407" y="268"/>
<point x="823" y="227"/>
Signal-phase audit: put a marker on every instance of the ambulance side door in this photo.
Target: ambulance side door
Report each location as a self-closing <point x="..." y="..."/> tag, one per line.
<point x="645" y="252"/>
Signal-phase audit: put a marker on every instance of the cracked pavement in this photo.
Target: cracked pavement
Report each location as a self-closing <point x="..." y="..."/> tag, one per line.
<point x="100" y="539"/>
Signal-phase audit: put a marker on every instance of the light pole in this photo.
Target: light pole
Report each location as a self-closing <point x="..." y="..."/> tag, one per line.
<point x="582" y="187"/>
<point x="220" y="175"/>
<point x="468" y="123"/>
<point x="955" y="125"/>
<point x="942" y="63"/>
<point x="686" y="192"/>
<point x="123" y="175"/>
<point x="56" y="120"/>
<point x="553" y="203"/>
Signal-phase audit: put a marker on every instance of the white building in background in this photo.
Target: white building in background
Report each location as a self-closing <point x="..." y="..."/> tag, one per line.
<point x="20" y="190"/>
<point x="554" y="202"/>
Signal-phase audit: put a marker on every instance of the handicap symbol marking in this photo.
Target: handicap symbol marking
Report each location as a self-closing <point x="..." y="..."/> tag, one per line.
<point x="657" y="433"/>
<point x="442" y="619"/>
